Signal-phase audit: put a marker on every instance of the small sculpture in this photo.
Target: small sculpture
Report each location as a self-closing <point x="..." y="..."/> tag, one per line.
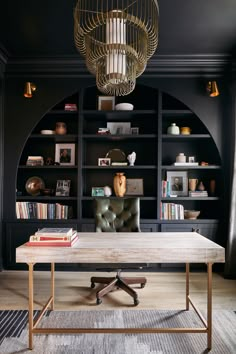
<point x="107" y="191"/>
<point x="131" y="158"/>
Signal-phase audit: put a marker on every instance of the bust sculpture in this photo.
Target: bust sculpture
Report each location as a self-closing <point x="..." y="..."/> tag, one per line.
<point x="131" y="158"/>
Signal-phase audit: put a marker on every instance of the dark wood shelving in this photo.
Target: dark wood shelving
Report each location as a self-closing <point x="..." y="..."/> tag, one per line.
<point x="208" y="167"/>
<point x="172" y="199"/>
<point x="119" y="137"/>
<point x="176" y="112"/>
<point x="43" y="198"/>
<point x="136" y="167"/>
<point x="185" y="137"/>
<point x="48" y="167"/>
<point x="126" y="196"/>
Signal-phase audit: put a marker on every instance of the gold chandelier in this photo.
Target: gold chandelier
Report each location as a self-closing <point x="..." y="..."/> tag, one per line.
<point x="116" y="37"/>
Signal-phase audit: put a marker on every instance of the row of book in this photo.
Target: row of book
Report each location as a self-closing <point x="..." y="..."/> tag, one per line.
<point x="35" y="210"/>
<point x="172" y="211"/>
<point x="53" y="237"/>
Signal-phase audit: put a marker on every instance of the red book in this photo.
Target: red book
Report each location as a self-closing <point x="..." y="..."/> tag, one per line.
<point x="52" y="243"/>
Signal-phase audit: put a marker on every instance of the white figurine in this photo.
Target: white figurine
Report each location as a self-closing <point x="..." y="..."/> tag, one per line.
<point x="107" y="191"/>
<point x="131" y="158"/>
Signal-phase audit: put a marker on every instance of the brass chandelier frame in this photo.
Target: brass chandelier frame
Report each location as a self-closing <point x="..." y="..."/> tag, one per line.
<point x="117" y="38"/>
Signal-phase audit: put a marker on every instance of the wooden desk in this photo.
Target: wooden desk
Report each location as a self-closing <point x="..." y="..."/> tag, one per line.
<point x="156" y="247"/>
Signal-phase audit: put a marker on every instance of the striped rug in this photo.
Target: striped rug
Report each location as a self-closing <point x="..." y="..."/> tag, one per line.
<point x="14" y="333"/>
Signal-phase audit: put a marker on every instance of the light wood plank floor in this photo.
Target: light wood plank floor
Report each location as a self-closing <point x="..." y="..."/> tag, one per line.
<point x="73" y="292"/>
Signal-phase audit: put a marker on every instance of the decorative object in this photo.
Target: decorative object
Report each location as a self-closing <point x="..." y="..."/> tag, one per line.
<point x="191" y="214"/>
<point x="61" y="128"/>
<point x="200" y="186"/>
<point x="121" y="128"/>
<point x="119" y="184"/>
<point x="107" y="191"/>
<point x="178" y="182"/>
<point x="106" y="103"/>
<point x="116" y="155"/>
<point x="192" y="184"/>
<point x="35" y="161"/>
<point x="98" y="192"/>
<point x="103" y="131"/>
<point x="134" y="131"/>
<point x="63" y="188"/>
<point x="117" y="39"/>
<point x="185" y="131"/>
<point x="47" y="191"/>
<point x="134" y="186"/>
<point x="191" y="159"/>
<point x="34" y="185"/>
<point x="104" y="161"/>
<point x="47" y="132"/>
<point x="212" y="187"/>
<point x="72" y="107"/>
<point x="204" y="163"/>
<point x="29" y="89"/>
<point x="212" y="89"/>
<point x="49" y="161"/>
<point x="131" y="158"/>
<point x="181" y="157"/>
<point x="124" y="107"/>
<point x="65" y="154"/>
<point x="173" y="129"/>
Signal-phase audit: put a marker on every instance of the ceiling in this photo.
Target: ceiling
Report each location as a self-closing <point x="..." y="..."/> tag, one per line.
<point x="45" y="28"/>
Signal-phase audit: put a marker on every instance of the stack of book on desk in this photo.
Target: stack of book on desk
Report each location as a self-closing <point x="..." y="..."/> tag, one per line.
<point x="51" y="236"/>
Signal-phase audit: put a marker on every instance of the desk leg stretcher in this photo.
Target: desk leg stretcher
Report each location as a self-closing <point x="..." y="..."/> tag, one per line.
<point x="50" y="304"/>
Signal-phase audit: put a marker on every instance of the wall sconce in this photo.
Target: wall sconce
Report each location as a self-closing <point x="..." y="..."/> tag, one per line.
<point x="212" y="89"/>
<point x="29" y="89"/>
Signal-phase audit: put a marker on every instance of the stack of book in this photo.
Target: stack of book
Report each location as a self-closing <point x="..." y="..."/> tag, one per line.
<point x="34" y="161"/>
<point x="198" y="194"/>
<point x="171" y="211"/>
<point x="57" y="237"/>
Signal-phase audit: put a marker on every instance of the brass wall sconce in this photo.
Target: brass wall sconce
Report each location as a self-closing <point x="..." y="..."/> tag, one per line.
<point x="29" y="89"/>
<point x="212" y="89"/>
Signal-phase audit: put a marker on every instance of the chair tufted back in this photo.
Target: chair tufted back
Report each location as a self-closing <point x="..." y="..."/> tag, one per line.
<point x="117" y="215"/>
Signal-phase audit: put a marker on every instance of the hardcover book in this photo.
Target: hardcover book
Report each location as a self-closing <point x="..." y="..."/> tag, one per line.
<point x="55" y="231"/>
<point x="52" y="243"/>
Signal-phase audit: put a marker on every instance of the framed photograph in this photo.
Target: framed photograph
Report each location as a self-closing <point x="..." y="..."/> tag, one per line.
<point x="178" y="181"/>
<point x="119" y="128"/>
<point x="104" y="161"/>
<point x="98" y="192"/>
<point x="134" y="130"/>
<point x="63" y="188"/>
<point x="106" y="103"/>
<point x="65" y="154"/>
<point x="134" y="186"/>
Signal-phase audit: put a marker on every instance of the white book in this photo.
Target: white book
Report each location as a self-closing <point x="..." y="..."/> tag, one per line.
<point x="55" y="231"/>
<point x="186" y="163"/>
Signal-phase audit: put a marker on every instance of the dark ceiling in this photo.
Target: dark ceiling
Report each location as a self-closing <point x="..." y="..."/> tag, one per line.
<point x="45" y="28"/>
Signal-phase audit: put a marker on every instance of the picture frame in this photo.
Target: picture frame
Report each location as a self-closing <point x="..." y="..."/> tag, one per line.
<point x="106" y="103"/>
<point x="134" y="130"/>
<point x="65" y="154"/>
<point x="63" y="188"/>
<point x="134" y="186"/>
<point x="104" y="161"/>
<point x="178" y="182"/>
<point x="98" y="192"/>
<point x="119" y="128"/>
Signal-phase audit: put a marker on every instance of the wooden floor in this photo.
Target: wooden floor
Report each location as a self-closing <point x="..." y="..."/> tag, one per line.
<point x="72" y="291"/>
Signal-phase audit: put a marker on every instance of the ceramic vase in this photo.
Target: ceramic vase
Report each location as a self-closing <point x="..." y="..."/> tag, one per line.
<point x="201" y="186"/>
<point x="61" y="128"/>
<point x="173" y="129"/>
<point x="119" y="184"/>
<point x="212" y="187"/>
<point x="192" y="183"/>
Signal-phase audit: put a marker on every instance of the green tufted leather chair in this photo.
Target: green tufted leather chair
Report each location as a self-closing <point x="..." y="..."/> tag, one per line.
<point x="118" y="215"/>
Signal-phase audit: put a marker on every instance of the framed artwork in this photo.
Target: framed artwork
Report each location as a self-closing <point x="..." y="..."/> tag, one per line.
<point x="106" y="103"/>
<point x="65" y="154"/>
<point x="98" y="192"/>
<point x="119" y="128"/>
<point x="104" y="161"/>
<point x="178" y="182"/>
<point x="63" y="188"/>
<point x="134" y="186"/>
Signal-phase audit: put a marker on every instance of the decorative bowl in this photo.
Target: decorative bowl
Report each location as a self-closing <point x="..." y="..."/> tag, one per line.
<point x="34" y="185"/>
<point x="47" y="132"/>
<point x="46" y="191"/>
<point x="124" y="107"/>
<point x="191" y="214"/>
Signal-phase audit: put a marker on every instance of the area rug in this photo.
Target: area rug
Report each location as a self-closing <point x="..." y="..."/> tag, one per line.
<point x="14" y="333"/>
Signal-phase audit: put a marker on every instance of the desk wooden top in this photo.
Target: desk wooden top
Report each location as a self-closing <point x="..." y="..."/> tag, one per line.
<point x="148" y="247"/>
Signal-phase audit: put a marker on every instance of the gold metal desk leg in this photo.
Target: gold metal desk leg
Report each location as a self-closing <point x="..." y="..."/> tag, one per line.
<point x="31" y="304"/>
<point x="209" y="306"/>
<point x="187" y="286"/>
<point x="52" y="284"/>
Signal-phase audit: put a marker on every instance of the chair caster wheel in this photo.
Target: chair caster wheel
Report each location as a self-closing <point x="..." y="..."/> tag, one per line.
<point x="142" y="285"/>
<point x="92" y="285"/>
<point x="99" y="301"/>
<point x="136" y="302"/>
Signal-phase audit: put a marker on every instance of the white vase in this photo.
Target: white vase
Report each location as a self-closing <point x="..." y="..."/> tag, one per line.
<point x="173" y="129"/>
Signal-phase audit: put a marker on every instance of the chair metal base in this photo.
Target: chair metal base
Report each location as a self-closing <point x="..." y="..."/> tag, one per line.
<point x="120" y="283"/>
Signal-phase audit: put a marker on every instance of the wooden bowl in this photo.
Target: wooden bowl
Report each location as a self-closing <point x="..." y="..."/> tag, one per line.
<point x="191" y="214"/>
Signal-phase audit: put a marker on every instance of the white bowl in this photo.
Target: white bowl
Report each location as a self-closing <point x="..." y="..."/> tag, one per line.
<point x="47" y="132"/>
<point x="124" y="107"/>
